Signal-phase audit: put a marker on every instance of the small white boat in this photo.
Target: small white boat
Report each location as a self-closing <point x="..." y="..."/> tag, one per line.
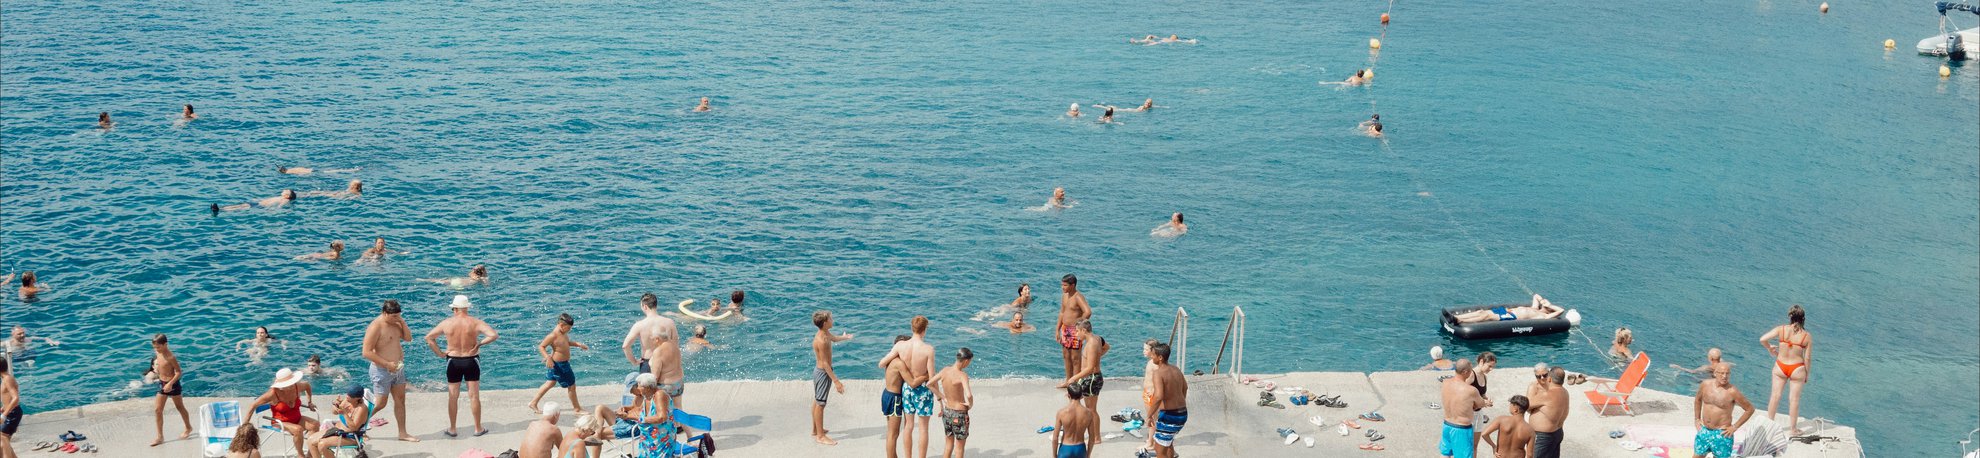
<point x="1936" y="45"/>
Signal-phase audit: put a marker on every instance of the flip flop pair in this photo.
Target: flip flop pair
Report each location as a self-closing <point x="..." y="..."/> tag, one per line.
<point x="1350" y="424"/>
<point x="72" y="436"/>
<point x="1371" y="447"/>
<point x="1373" y="416"/>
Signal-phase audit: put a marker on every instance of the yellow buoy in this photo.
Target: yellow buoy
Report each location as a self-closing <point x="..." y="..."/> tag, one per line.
<point x="1945" y="71"/>
<point x="1825" y="7"/>
<point x="1368" y="74"/>
<point x="1890" y="44"/>
<point x="1385" y="18"/>
<point x="1374" y="43"/>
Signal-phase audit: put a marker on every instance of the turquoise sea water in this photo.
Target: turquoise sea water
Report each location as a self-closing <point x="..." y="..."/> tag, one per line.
<point x="1687" y="169"/>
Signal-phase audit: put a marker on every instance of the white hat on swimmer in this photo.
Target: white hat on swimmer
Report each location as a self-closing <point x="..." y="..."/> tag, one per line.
<point x="1075" y="106"/>
<point x="1437" y="352"/>
<point x="461" y="302"/>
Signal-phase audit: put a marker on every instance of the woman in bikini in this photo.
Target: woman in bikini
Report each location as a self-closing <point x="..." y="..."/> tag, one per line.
<point x="286" y="397"/>
<point x="1789" y="345"/>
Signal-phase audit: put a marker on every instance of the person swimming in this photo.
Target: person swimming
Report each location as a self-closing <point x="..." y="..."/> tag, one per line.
<point x="272" y="202"/>
<point x="355" y="189"/>
<point x="1057" y="202"/>
<point x="336" y="253"/>
<point x="1108" y="116"/>
<point x="476" y="276"/>
<point x="315" y="369"/>
<point x="307" y="170"/>
<point x="1073" y="112"/>
<point x="31" y="286"/>
<point x="1173" y="228"/>
<point x="377" y="251"/>
<point x="703" y="106"/>
<point x="700" y="340"/>
<point x="188" y="113"/>
<point x="1373" y="126"/>
<point x="103" y="121"/>
<point x="1148" y="104"/>
<point x="1017" y="324"/>
<point x="17" y="348"/>
<point x="257" y="347"/>
<point x="1359" y="77"/>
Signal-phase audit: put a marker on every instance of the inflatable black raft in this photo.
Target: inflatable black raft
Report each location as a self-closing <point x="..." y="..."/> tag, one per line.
<point x="1503" y="329"/>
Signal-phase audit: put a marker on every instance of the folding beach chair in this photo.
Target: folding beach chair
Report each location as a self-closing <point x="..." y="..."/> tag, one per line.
<point x="1604" y="395"/>
<point x="689" y="423"/>
<point x="217" y="421"/>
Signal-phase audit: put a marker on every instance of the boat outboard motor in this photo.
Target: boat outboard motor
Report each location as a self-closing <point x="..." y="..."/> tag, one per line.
<point x="1954" y="49"/>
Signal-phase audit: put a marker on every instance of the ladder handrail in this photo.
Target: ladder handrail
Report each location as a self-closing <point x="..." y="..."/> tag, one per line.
<point x="1233" y="328"/>
<point x="1179" y="349"/>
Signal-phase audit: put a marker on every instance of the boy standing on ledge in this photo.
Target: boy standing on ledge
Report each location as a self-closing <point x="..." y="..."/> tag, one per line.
<point x="823" y="380"/>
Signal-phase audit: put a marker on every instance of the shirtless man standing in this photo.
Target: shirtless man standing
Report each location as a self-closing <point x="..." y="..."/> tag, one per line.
<point x="1072" y="310"/>
<point x="463" y="355"/>
<point x="1075" y="429"/>
<point x="660" y="347"/>
<point x="916" y="399"/>
<point x="1461" y="401"/>
<point x="952" y="387"/>
<point x="890" y="397"/>
<point x="170" y="386"/>
<point x="1509" y="435"/>
<point x="543" y="438"/>
<point x="1548" y="401"/>
<point x="823" y="379"/>
<point x="1088" y="379"/>
<point x="383" y="340"/>
<point x="10" y="409"/>
<point x="1168" y="397"/>
<point x="1712" y="411"/>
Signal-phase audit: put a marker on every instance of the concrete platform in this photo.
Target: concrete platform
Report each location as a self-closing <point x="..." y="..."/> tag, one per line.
<point x="772" y="419"/>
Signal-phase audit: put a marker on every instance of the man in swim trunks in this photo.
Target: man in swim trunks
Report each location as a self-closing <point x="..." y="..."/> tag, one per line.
<point x="1088" y="379"/>
<point x="556" y="351"/>
<point x="1072" y="310"/>
<point x="1712" y="410"/>
<point x="10" y="409"/>
<point x="823" y="379"/>
<point x="1538" y="311"/>
<point x="1509" y="434"/>
<point x="1461" y="401"/>
<point x="1168" y="397"/>
<point x="383" y="340"/>
<point x="951" y="386"/>
<point x="1548" y="405"/>
<point x="890" y="398"/>
<point x="287" y="395"/>
<point x="895" y="373"/>
<point x="170" y="387"/>
<point x="916" y="399"/>
<point x="465" y="336"/>
<point x="1075" y="429"/>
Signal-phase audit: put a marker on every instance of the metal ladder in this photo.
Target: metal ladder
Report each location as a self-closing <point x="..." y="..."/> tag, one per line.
<point x="1179" y="339"/>
<point x="1233" y="329"/>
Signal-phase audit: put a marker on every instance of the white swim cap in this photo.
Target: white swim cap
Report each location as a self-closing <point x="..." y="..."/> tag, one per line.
<point x="1075" y="106"/>
<point x="1436" y="352"/>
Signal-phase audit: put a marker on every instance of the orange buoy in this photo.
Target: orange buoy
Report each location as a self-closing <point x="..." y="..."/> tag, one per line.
<point x="1374" y="43"/>
<point x="1825" y="7"/>
<point x="1385" y="18"/>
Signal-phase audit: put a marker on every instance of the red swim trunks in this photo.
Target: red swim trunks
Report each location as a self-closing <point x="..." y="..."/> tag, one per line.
<point x="1069" y="337"/>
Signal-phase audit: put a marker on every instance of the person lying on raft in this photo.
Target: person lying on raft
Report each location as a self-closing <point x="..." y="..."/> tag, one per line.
<point x="1538" y="311"/>
<point x="307" y="170"/>
<point x="477" y="275"/>
<point x="356" y="188"/>
<point x="272" y="202"/>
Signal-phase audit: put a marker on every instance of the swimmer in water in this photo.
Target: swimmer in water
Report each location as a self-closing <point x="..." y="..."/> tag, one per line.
<point x="315" y="370"/>
<point x="103" y="121"/>
<point x="1146" y="40"/>
<point x="1017" y="324"/>
<point x="188" y="114"/>
<point x="31" y="286"/>
<point x="307" y="170"/>
<point x="336" y="253"/>
<point x="475" y="276"/>
<point x="1023" y="301"/>
<point x="377" y="251"/>
<point x="355" y="189"/>
<point x="703" y="106"/>
<point x="1058" y="200"/>
<point x="700" y="340"/>
<point x="1359" y="77"/>
<point x="1073" y="112"/>
<point x="1146" y="105"/>
<point x="1373" y="126"/>
<point x="257" y="347"/>
<point x="16" y="347"/>
<point x="272" y="202"/>
<point x="1174" y="39"/>
<point x="1174" y="227"/>
<point x="1108" y="116"/>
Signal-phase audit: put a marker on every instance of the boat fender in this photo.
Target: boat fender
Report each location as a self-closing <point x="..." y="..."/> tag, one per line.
<point x="1573" y="317"/>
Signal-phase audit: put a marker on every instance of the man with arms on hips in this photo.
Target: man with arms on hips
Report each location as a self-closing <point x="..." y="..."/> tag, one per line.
<point x="383" y="340"/>
<point x="1509" y="434"/>
<point x="1712" y="413"/>
<point x="465" y="336"/>
<point x="1461" y="401"/>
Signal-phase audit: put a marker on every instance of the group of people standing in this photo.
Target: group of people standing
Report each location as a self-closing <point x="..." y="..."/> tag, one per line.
<point x="1534" y="421"/>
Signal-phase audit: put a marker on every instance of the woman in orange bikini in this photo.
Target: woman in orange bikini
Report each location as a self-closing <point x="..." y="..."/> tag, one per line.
<point x="1789" y="345"/>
